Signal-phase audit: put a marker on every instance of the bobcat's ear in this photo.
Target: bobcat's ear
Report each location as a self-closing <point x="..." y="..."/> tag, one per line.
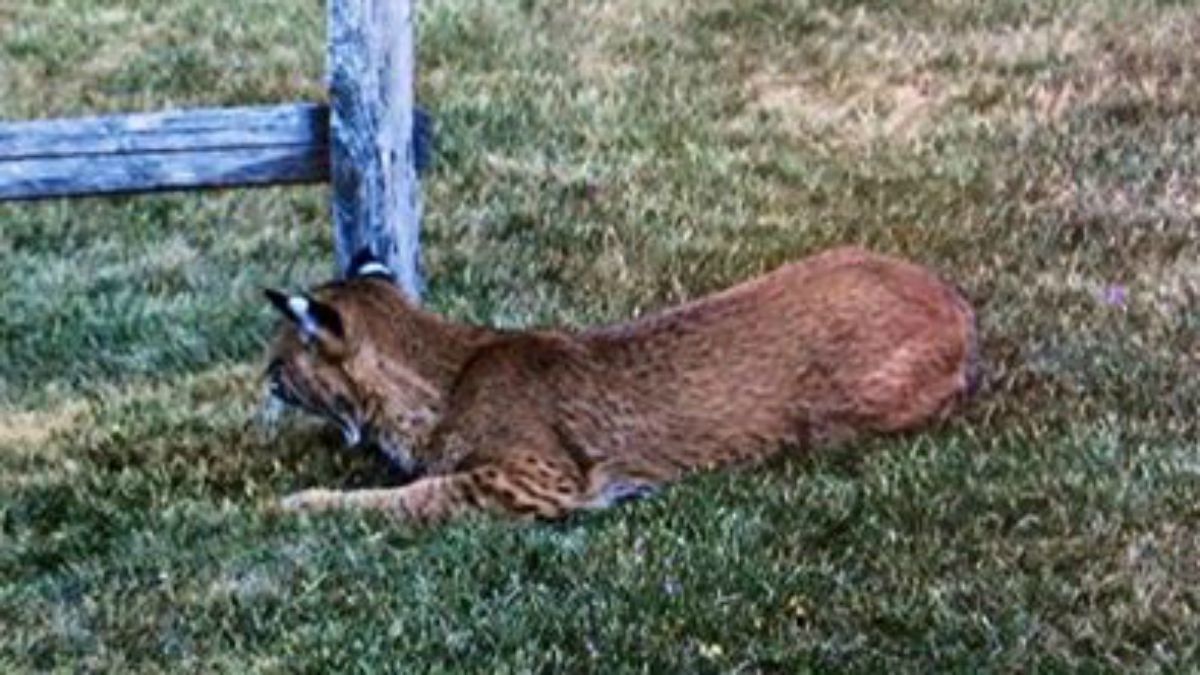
<point x="366" y="264"/>
<point x="315" y="319"/>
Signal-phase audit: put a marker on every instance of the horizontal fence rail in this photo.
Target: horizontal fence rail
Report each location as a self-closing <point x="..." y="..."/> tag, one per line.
<point x="370" y="144"/>
<point x="185" y="149"/>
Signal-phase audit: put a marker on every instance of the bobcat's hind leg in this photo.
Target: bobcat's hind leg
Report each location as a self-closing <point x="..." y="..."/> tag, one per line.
<point x="613" y="483"/>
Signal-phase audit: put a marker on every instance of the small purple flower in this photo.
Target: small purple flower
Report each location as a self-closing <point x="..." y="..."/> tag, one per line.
<point x="1115" y="295"/>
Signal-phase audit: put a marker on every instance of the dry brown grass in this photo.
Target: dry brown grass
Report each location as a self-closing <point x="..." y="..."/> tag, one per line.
<point x="863" y="82"/>
<point x="29" y="431"/>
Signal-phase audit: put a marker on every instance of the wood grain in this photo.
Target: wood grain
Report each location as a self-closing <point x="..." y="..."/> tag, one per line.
<point x="181" y="149"/>
<point x="376" y="195"/>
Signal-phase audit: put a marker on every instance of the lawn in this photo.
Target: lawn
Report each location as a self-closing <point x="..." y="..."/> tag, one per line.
<point x="597" y="160"/>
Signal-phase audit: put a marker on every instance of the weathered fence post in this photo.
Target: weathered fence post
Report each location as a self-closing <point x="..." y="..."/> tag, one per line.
<point x="376" y="197"/>
<point x="367" y="143"/>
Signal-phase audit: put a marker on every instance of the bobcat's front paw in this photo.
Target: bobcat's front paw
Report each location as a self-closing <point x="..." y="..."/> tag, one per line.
<point x="310" y="501"/>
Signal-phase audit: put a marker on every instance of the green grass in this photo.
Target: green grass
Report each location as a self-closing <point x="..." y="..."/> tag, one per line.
<point x="598" y="160"/>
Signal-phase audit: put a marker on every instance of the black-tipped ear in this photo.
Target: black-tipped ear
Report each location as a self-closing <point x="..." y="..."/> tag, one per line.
<point x="327" y="318"/>
<point x="366" y="264"/>
<point x="311" y="316"/>
<point x="278" y="300"/>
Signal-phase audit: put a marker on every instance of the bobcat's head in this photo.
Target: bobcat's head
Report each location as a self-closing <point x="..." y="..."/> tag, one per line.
<point x="354" y="353"/>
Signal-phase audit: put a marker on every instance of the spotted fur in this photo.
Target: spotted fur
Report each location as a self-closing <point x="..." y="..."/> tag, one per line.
<point x="546" y="423"/>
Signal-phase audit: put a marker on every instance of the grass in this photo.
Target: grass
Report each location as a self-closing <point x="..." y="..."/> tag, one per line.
<point x="597" y="160"/>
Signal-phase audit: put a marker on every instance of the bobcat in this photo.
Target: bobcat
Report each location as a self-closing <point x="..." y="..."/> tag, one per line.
<point x="543" y="423"/>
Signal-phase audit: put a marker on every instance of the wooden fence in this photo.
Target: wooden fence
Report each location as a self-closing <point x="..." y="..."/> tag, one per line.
<point x="365" y="143"/>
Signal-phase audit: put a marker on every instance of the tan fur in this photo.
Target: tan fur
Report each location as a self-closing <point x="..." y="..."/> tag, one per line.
<point x="544" y="423"/>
